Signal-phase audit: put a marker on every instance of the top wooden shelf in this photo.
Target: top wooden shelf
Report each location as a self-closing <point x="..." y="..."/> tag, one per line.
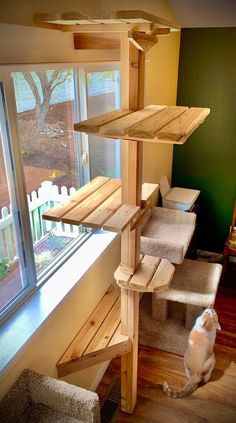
<point x="120" y="20"/>
<point x="160" y="124"/>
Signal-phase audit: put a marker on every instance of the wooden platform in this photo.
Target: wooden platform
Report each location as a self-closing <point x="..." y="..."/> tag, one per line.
<point x="115" y="21"/>
<point x="98" y="204"/>
<point x="99" y="339"/>
<point x="153" y="274"/>
<point x="161" y="124"/>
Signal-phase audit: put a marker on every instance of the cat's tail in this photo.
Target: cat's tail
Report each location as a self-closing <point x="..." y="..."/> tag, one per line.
<point x="188" y="389"/>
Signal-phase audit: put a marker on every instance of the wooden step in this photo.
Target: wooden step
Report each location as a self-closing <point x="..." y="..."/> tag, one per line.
<point x="98" y="204"/>
<point x="99" y="339"/>
<point x="153" y="274"/>
<point x="161" y="124"/>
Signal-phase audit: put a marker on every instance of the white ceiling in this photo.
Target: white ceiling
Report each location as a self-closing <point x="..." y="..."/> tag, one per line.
<point x="204" y="13"/>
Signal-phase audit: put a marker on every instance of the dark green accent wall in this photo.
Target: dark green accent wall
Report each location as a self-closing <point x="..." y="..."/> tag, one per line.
<point x="207" y="161"/>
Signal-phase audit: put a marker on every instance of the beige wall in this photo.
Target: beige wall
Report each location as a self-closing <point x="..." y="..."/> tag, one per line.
<point x="21" y="44"/>
<point x="161" y="88"/>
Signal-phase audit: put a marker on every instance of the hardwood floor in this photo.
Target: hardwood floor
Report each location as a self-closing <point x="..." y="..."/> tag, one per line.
<point x="213" y="402"/>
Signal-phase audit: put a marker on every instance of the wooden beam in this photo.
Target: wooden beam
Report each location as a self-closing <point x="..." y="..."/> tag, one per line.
<point x="141" y="16"/>
<point x="97" y="41"/>
<point x="117" y="348"/>
<point x="122" y="218"/>
<point x="147" y="191"/>
<point x="161" y="31"/>
<point x="118" y="27"/>
<point x="130" y="241"/>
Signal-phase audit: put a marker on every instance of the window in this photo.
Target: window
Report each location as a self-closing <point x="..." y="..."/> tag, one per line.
<point x="103" y="95"/>
<point x="15" y="281"/>
<point x="54" y="162"/>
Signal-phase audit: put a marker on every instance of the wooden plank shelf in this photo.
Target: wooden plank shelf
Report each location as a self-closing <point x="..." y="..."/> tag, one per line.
<point x="160" y="124"/>
<point x="99" y="339"/>
<point x="56" y="213"/>
<point x="110" y="20"/>
<point x="98" y="204"/>
<point x="153" y="274"/>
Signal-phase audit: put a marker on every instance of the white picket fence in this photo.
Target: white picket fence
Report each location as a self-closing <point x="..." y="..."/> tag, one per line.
<point x="47" y="196"/>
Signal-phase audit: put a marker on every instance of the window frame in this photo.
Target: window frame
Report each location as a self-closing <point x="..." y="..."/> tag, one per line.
<point x="21" y="220"/>
<point x="12" y="130"/>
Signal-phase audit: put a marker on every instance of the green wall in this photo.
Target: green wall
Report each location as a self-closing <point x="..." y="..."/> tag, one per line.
<point x="207" y="78"/>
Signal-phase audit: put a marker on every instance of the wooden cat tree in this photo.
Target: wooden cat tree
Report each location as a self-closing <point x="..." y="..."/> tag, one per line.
<point x="112" y="329"/>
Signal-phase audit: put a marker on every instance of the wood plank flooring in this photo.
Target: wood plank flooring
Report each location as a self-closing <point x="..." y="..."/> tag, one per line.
<point x="214" y="402"/>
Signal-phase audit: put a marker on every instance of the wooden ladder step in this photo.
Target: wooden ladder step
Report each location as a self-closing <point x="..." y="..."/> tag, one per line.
<point x="152" y="274"/>
<point x="99" y="339"/>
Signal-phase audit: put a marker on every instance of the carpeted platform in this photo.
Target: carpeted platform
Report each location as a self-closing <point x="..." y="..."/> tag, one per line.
<point x="171" y="335"/>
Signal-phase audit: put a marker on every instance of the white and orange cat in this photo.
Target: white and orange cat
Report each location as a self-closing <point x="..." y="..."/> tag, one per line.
<point x="199" y="358"/>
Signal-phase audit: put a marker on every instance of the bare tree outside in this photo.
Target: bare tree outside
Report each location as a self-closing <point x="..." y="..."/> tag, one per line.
<point x="42" y="92"/>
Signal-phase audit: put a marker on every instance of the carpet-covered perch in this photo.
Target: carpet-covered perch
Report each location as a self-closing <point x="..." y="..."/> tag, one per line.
<point x="41" y="399"/>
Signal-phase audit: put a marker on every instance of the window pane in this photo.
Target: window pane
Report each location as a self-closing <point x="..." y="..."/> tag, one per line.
<point x="45" y="103"/>
<point x="103" y="95"/>
<point x="12" y="268"/>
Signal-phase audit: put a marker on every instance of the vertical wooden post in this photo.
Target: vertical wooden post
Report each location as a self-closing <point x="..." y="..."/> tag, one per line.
<point x="131" y="97"/>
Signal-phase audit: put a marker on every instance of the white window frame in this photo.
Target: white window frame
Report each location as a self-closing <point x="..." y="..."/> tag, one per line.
<point x="80" y="114"/>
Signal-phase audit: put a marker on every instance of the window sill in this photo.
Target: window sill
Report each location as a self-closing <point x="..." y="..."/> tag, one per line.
<point x="23" y="325"/>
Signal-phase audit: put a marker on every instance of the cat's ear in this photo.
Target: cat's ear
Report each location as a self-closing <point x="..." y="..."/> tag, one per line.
<point x="218" y="327"/>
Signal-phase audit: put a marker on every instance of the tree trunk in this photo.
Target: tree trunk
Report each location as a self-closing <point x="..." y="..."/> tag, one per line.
<point x="41" y="114"/>
<point x="47" y="87"/>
